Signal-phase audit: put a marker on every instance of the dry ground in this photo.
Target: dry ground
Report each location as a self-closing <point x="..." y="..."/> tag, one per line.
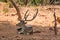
<point x="9" y="32"/>
<point x="41" y="23"/>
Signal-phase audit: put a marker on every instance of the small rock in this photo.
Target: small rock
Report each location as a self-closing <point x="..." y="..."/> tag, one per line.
<point x="3" y="36"/>
<point x="50" y="28"/>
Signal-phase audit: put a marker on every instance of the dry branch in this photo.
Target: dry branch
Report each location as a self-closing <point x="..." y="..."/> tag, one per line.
<point x="55" y="24"/>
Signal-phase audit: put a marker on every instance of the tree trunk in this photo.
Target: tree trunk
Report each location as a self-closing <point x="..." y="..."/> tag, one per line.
<point x="17" y="9"/>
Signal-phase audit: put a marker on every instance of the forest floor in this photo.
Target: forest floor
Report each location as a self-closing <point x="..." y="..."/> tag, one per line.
<point x="41" y="24"/>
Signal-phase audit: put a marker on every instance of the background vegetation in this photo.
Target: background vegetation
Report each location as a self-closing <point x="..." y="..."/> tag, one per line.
<point x="31" y="2"/>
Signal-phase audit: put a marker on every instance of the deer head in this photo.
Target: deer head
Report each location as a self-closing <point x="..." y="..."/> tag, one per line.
<point x="24" y="20"/>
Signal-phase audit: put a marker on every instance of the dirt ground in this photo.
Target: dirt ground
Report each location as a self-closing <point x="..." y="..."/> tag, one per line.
<point x="9" y="32"/>
<point x="41" y="24"/>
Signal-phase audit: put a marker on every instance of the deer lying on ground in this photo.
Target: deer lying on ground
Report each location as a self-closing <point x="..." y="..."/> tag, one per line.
<point x="23" y="28"/>
<point x="26" y="29"/>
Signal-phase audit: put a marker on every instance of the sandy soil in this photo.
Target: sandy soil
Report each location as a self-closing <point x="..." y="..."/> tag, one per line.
<point x="41" y="24"/>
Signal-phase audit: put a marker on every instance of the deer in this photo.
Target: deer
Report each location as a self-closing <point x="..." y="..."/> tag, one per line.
<point x="23" y="22"/>
<point x="24" y="29"/>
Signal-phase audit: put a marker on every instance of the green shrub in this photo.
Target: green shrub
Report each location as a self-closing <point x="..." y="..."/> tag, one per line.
<point x="2" y="0"/>
<point x="5" y="10"/>
<point x="35" y="2"/>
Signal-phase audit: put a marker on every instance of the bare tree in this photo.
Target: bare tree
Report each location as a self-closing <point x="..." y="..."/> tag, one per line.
<point x="55" y="25"/>
<point x="17" y="9"/>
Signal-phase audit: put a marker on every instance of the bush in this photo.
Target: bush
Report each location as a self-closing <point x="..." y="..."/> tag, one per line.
<point x="2" y="0"/>
<point x="35" y="2"/>
<point x="5" y="10"/>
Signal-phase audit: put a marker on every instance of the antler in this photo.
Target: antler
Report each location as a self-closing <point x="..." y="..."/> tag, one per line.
<point x="17" y="9"/>
<point x="25" y="16"/>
